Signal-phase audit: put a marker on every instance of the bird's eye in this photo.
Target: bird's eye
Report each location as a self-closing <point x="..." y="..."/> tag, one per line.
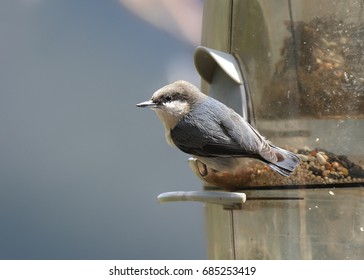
<point x="168" y="98"/>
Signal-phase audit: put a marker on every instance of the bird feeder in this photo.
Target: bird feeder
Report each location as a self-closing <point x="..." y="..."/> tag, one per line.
<point x="295" y="71"/>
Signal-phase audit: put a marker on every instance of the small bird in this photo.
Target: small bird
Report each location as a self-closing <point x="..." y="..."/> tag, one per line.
<point x="215" y="134"/>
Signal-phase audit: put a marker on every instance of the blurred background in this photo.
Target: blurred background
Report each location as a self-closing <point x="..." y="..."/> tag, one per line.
<point x="81" y="166"/>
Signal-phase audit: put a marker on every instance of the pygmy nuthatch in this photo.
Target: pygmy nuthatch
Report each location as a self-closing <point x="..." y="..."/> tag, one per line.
<point x="215" y="134"/>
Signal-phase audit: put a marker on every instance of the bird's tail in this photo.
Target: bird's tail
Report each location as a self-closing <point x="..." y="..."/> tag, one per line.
<point x="287" y="161"/>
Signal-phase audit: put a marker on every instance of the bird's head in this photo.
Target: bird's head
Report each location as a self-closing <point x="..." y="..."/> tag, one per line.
<point x="174" y="101"/>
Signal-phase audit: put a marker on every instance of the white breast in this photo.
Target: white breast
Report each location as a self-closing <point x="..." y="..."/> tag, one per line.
<point x="170" y="114"/>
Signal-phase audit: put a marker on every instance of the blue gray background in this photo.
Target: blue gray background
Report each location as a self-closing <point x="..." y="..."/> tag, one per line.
<point x="80" y="165"/>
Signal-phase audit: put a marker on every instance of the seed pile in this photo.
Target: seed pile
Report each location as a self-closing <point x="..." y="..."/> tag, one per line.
<point x="317" y="166"/>
<point x="321" y="72"/>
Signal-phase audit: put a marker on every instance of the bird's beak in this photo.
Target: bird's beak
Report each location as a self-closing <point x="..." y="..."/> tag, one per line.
<point x="147" y="104"/>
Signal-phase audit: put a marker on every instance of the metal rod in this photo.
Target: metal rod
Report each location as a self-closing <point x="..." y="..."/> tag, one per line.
<point x="222" y="198"/>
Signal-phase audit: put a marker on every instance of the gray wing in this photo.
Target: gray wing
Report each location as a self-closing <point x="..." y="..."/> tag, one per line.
<point x="218" y="133"/>
<point x="248" y="137"/>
